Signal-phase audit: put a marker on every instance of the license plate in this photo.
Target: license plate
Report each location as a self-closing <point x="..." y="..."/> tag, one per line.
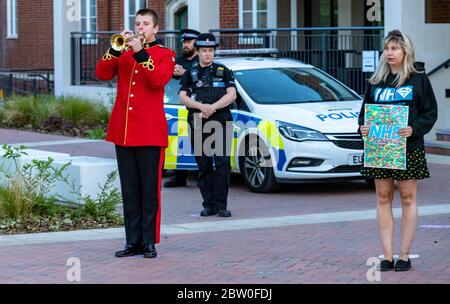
<point x="355" y="159"/>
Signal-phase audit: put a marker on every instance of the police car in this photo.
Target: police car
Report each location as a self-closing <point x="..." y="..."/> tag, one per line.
<point x="292" y="123"/>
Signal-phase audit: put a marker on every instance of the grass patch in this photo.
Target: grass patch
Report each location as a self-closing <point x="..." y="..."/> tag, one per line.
<point x="70" y="116"/>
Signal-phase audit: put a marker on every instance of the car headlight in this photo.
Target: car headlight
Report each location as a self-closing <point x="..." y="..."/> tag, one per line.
<point x="299" y="133"/>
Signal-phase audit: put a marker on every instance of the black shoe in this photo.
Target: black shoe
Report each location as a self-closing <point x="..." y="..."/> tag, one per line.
<point x="150" y="251"/>
<point x="208" y="212"/>
<point x="176" y="181"/>
<point x="129" y="250"/>
<point x="402" y="265"/>
<point x="386" y="265"/>
<point x="224" y="213"/>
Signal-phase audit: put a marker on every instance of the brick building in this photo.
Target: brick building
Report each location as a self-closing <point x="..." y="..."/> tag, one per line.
<point x="26" y="40"/>
<point x="29" y="25"/>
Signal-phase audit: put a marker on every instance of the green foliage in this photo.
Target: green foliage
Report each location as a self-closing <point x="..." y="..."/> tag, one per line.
<point x="2" y="114"/>
<point x="14" y="201"/>
<point x="28" y="186"/>
<point x="25" y="199"/>
<point x="98" y="133"/>
<point x="105" y="204"/>
<point x="82" y="111"/>
<point x="13" y="152"/>
<point x="28" y="111"/>
<point x="67" y="112"/>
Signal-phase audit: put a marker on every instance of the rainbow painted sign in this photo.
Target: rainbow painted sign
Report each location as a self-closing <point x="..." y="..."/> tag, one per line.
<point x="383" y="147"/>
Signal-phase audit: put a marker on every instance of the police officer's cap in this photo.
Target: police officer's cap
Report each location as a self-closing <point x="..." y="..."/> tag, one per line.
<point x="206" y="40"/>
<point x="188" y="34"/>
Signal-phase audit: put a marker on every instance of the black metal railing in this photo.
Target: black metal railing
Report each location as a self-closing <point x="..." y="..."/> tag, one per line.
<point x="336" y="50"/>
<point x="445" y="64"/>
<point x="89" y="47"/>
<point x="26" y="82"/>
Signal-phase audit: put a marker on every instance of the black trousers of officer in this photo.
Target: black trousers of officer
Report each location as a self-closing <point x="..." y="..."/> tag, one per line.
<point x="140" y="177"/>
<point x="213" y="166"/>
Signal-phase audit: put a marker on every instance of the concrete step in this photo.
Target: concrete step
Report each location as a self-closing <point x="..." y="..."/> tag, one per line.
<point x="437" y="147"/>
<point x="443" y="134"/>
<point x="86" y="174"/>
<point x="9" y="165"/>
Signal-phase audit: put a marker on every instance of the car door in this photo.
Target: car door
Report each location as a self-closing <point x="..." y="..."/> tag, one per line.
<point x="179" y="154"/>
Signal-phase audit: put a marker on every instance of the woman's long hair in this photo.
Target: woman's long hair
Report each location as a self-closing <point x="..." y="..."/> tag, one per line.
<point x="383" y="70"/>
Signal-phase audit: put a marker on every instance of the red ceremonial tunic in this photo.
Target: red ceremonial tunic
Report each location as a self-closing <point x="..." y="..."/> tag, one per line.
<point x="138" y="117"/>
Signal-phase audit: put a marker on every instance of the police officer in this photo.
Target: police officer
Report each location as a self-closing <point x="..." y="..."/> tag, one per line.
<point x="189" y="53"/>
<point x="183" y="63"/>
<point x="139" y="130"/>
<point x="208" y="89"/>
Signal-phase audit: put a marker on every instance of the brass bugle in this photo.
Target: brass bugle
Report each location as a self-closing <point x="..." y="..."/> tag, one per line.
<point x="118" y="41"/>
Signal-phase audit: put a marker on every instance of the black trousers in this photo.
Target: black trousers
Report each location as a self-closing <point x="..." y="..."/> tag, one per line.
<point x="211" y="142"/>
<point x="140" y="170"/>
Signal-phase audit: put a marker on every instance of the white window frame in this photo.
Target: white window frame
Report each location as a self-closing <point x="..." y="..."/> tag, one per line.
<point x="86" y="17"/>
<point x="11" y="17"/>
<point x="271" y="11"/>
<point x="128" y="14"/>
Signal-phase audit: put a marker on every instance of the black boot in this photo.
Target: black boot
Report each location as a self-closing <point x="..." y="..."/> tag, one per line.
<point x="150" y="251"/>
<point x="129" y="250"/>
<point x="208" y="212"/>
<point x="223" y="213"/>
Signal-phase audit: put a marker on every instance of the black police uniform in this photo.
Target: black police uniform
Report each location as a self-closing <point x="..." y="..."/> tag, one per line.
<point x="208" y="85"/>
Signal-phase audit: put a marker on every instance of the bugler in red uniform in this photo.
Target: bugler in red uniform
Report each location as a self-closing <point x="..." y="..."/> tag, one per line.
<point x="138" y="128"/>
<point x="138" y="118"/>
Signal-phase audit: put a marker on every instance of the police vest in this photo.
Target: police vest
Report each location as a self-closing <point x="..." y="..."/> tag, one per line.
<point x="210" y="86"/>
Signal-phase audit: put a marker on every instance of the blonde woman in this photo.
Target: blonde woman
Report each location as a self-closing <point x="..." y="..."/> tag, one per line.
<point x="400" y="80"/>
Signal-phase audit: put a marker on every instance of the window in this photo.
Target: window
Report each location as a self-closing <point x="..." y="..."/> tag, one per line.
<point x="437" y="11"/>
<point x="322" y="13"/>
<point x="11" y="19"/>
<point x="131" y="7"/>
<point x="89" y="20"/>
<point x="171" y="92"/>
<point x="252" y="14"/>
<point x="292" y="85"/>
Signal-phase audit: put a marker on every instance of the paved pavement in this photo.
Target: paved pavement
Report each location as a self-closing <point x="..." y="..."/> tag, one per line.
<point x="314" y="233"/>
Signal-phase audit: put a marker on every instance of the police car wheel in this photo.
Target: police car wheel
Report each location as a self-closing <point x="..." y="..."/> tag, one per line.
<point x="256" y="167"/>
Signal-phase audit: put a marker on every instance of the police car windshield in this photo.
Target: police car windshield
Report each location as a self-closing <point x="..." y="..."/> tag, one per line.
<point x="292" y="85"/>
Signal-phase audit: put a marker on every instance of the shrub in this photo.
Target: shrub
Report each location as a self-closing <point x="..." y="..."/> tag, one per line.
<point x="26" y="203"/>
<point x="28" y="111"/>
<point x="2" y="113"/>
<point x="98" y="133"/>
<point x="26" y="190"/>
<point x="104" y="206"/>
<point x="67" y="115"/>
<point x="82" y="111"/>
<point x="14" y="201"/>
